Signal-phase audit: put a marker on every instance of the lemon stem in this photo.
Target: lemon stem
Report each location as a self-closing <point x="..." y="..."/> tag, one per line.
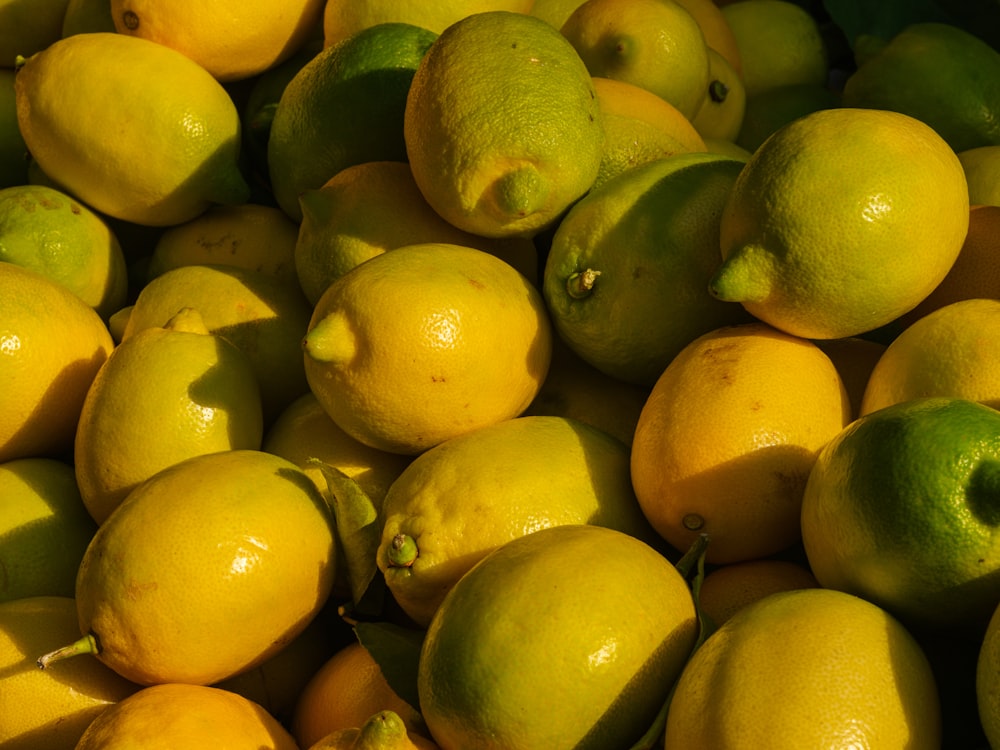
<point x="718" y="91"/>
<point x="581" y="283"/>
<point x="402" y="551"/>
<point x="85" y="645"/>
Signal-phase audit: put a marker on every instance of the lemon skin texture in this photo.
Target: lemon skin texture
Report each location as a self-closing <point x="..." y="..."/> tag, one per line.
<point x="75" y="92"/>
<point x="569" y="637"/>
<point x="988" y="681"/>
<point x="806" y="668"/>
<point x="249" y="540"/>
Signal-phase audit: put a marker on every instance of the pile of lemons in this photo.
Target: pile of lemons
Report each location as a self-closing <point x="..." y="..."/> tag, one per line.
<point x="607" y="374"/>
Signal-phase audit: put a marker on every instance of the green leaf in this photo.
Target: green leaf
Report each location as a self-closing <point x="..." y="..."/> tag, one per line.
<point x="396" y="650"/>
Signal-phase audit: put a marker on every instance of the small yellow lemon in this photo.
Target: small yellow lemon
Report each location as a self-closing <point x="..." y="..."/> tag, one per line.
<point x="982" y="172"/>
<point x="189" y="716"/>
<point x="842" y="221"/>
<point x="720" y="115"/>
<point x="806" y="668"/>
<point x="655" y="44"/>
<point x="502" y="125"/>
<point x="424" y="343"/>
<point x="729" y="588"/>
<point x="231" y="40"/>
<point x="715" y="28"/>
<point x="28" y="26"/>
<point x="79" y="90"/>
<point x="568" y="637"/>
<point x="383" y="730"/>
<point x="728" y="436"/>
<point x="51" y="346"/>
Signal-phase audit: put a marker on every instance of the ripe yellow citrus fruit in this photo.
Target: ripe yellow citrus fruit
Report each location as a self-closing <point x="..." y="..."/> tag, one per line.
<point x="952" y="351"/>
<point x="231" y="40"/>
<point x="720" y="115"/>
<point x="655" y="44"/>
<point x="769" y="110"/>
<point x="842" y="221"/>
<point x="75" y="92"/>
<point x="554" y="12"/>
<point x="13" y="151"/>
<point x="780" y="43"/>
<point x="854" y="358"/>
<point x="729" y="588"/>
<point x="982" y="172"/>
<point x="424" y="343"/>
<point x="728" y="436"/>
<point x="490" y="166"/>
<point x="987" y="682"/>
<point x="40" y="709"/>
<point x="899" y="509"/>
<point x="346" y="690"/>
<point x="250" y="540"/>
<point x="462" y="499"/>
<point x="343" y="18"/>
<point x="806" y="668"/>
<point x="368" y="75"/>
<point x="164" y="395"/>
<point x="383" y="730"/>
<point x="51" y="346"/>
<point x="190" y="716"/>
<point x="626" y="275"/>
<point x="367" y="209"/>
<point x="591" y="672"/>
<point x="715" y="28"/>
<point x="44" y="530"/>
<point x="28" y="26"/>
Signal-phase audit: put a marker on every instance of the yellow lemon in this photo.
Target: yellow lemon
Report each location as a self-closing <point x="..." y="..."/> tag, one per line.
<point x="51" y="346"/>
<point x="383" y="730"/>
<point x="899" y="510"/>
<point x="250" y="541"/>
<point x="655" y="44"/>
<point x="457" y="340"/>
<point x="639" y="127"/>
<point x="45" y="528"/>
<point x="952" y="351"/>
<point x="78" y="90"/>
<point x="462" y="499"/>
<point x="231" y="40"/>
<point x="28" y="26"/>
<point x="728" y="436"/>
<point x="715" y="28"/>
<point x="806" y="668"/>
<point x="591" y="672"/>
<point x="343" y="18"/>
<point x="46" y="230"/>
<point x="723" y="147"/>
<point x="769" y="110"/>
<point x="982" y="172"/>
<point x="368" y="208"/>
<point x="727" y="589"/>
<point x="249" y="235"/>
<point x="842" y="221"/>
<point x="87" y="16"/>
<point x="46" y="710"/>
<point x="854" y="358"/>
<point x="720" y="115"/>
<point x="987" y="684"/>
<point x="554" y="12"/>
<point x="190" y="716"/>
<point x="779" y="42"/>
<point x="13" y="151"/>
<point x="626" y="276"/>
<point x="369" y="75"/>
<point x="164" y="395"/>
<point x="488" y="161"/>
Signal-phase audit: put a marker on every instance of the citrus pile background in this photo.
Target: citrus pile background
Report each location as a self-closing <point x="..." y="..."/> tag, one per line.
<point x="610" y="374"/>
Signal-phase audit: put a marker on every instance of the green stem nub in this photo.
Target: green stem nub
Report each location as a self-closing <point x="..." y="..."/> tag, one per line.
<point x="402" y="551"/>
<point x="86" y="645"/>
<point x="718" y="91"/>
<point x="580" y="284"/>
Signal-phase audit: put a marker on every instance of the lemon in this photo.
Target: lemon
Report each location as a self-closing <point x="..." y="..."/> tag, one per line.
<point x="164" y="395"/>
<point x="982" y="172"/>
<point x="231" y="40"/>
<point x="727" y="589"/>
<point x="720" y="115"/>
<point x="715" y="28"/>
<point x="87" y="16"/>
<point x="502" y="126"/>
<point x="344" y="18"/>
<point x="842" y="221"/>
<point x="726" y="441"/>
<point x="570" y="637"/>
<point x="458" y="340"/>
<point x="899" y="509"/>
<point x="28" y="26"/>
<point x="249" y="235"/>
<point x="13" y="151"/>
<point x="779" y="42"/>
<point x="951" y="351"/>
<point x="769" y="110"/>
<point x="250" y="541"/>
<point x="655" y="44"/>
<point x="47" y="710"/>
<point x="554" y="12"/>
<point x="755" y="681"/>
<point x="258" y="313"/>
<point x="383" y="730"/>
<point x="45" y="528"/>
<point x="639" y="127"/>
<point x="460" y="500"/>
<point x="50" y="232"/>
<point x="626" y="276"/>
<point x="369" y="208"/>
<point x="368" y="75"/>
<point x="51" y="347"/>
<point x="938" y="73"/>
<point x="78" y="90"/>
<point x="727" y="148"/>
<point x="854" y="358"/>
<point x="347" y="689"/>
<point x="987" y="687"/>
<point x="190" y="716"/>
